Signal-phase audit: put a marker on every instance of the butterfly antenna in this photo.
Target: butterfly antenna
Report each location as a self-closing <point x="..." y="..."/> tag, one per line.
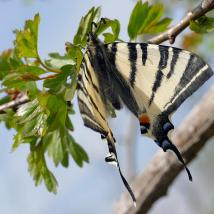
<point x="168" y="145"/>
<point x="102" y="21"/>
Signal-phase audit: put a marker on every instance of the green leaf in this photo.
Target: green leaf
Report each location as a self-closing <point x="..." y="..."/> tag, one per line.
<point x="17" y="141"/>
<point x="78" y="153"/>
<point x="85" y="26"/>
<point x="55" y="84"/>
<point x="146" y="19"/>
<point x="55" y="148"/>
<point x="8" y="118"/>
<point x="9" y="63"/>
<point x="38" y="168"/>
<point x="115" y="27"/>
<point x="32" y="117"/>
<point x="5" y="99"/>
<point x="136" y="20"/>
<point x="23" y="82"/>
<point x="26" y="40"/>
<point x="161" y="26"/>
<point x="202" y="25"/>
<point x="74" y="52"/>
<point x="58" y="61"/>
<point x="154" y="14"/>
<point x="58" y="111"/>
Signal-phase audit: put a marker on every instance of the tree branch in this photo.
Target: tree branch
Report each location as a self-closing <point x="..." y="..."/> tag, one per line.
<point x="170" y="34"/>
<point x="21" y="99"/>
<point x="190" y="137"/>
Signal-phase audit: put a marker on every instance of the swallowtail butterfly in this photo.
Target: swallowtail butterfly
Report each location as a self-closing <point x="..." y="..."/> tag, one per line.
<point x="152" y="81"/>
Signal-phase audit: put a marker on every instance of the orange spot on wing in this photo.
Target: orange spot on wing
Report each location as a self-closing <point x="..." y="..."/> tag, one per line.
<point x="144" y="119"/>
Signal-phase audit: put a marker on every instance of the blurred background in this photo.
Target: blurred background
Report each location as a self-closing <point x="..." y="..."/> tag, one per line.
<point x="95" y="187"/>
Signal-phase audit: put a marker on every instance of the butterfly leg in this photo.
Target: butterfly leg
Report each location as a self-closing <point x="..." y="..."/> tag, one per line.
<point x="160" y="131"/>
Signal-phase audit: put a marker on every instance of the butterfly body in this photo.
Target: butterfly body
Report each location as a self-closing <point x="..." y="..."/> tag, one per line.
<point x="152" y="81"/>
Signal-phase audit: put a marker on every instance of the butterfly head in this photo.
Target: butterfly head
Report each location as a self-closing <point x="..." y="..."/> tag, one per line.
<point x="92" y="34"/>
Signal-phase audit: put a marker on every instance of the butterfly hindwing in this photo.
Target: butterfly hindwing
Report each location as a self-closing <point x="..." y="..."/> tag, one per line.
<point x="93" y="107"/>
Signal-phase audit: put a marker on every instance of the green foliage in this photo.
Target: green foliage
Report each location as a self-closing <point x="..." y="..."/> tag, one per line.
<point x="26" y="40"/>
<point x="115" y="27"/>
<point x="44" y="121"/>
<point x="202" y="25"/>
<point x="93" y="15"/>
<point x="146" y="19"/>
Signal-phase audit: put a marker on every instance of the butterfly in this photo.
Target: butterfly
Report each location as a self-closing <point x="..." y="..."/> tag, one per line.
<point x="152" y="81"/>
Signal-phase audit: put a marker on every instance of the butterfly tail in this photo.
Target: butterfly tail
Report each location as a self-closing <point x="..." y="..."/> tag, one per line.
<point x="167" y="145"/>
<point x="112" y="159"/>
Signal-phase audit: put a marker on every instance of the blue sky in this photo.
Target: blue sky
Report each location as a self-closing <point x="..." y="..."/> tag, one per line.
<point x="95" y="187"/>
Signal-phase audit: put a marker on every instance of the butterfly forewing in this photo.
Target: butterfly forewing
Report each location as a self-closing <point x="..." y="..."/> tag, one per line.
<point x="91" y="105"/>
<point x="162" y="77"/>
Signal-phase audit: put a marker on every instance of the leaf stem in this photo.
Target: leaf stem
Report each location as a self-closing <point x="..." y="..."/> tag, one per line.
<point x="53" y="70"/>
<point x="48" y="77"/>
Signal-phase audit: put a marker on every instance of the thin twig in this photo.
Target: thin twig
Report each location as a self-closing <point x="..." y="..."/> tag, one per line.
<point x="48" y="77"/>
<point x="190" y="137"/>
<point x="170" y="34"/>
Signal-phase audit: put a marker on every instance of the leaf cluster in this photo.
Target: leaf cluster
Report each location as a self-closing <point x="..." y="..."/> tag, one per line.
<point x="44" y="121"/>
<point x="147" y="19"/>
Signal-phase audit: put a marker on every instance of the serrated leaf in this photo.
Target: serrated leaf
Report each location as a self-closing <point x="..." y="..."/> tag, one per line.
<point x="55" y="84"/>
<point x="32" y="117"/>
<point x="26" y="40"/>
<point x="16" y="141"/>
<point x="55" y="148"/>
<point x="78" y="153"/>
<point x="22" y="82"/>
<point x="8" y="63"/>
<point x="38" y="168"/>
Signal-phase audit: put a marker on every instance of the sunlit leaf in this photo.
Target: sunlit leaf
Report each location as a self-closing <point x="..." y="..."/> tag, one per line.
<point x="137" y="18"/>
<point x="26" y="40"/>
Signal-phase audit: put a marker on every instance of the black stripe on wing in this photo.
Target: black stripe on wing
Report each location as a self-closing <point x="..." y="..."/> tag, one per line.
<point x="175" y="57"/>
<point x="197" y="72"/>
<point x="132" y="59"/>
<point x="89" y="78"/>
<point x="121" y="86"/>
<point x="164" y="55"/>
<point x="144" y="52"/>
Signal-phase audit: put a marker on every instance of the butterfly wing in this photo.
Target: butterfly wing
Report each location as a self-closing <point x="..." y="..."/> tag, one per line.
<point x="94" y="110"/>
<point x="160" y="78"/>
